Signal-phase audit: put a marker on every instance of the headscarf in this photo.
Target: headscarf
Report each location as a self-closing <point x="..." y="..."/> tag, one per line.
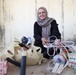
<point x="45" y="23"/>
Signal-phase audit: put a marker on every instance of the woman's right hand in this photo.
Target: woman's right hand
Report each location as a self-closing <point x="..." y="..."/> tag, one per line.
<point x="44" y="41"/>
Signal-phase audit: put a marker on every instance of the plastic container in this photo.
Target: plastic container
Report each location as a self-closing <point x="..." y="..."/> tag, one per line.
<point x="72" y="65"/>
<point x="3" y="67"/>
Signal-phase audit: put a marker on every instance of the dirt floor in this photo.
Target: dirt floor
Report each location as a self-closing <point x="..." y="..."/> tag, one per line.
<point x="37" y="70"/>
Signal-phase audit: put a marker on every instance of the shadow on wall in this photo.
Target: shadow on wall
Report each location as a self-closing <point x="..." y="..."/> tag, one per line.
<point x="2" y="32"/>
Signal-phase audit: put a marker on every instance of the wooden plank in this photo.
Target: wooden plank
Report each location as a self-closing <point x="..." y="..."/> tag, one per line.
<point x="42" y="3"/>
<point x="24" y="17"/>
<point x="69" y="11"/>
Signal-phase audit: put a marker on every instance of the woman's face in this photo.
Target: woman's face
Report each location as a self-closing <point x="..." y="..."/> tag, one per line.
<point x="41" y="14"/>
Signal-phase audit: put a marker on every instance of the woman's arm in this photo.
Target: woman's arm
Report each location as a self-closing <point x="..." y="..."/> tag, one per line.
<point x="55" y="30"/>
<point x="37" y="32"/>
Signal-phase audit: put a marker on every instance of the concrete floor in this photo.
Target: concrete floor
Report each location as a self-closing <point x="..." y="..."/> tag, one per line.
<point x="36" y="70"/>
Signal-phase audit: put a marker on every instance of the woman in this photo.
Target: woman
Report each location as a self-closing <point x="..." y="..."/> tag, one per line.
<point x="44" y="28"/>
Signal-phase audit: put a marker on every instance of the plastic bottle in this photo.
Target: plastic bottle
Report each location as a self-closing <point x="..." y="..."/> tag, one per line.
<point x="72" y="65"/>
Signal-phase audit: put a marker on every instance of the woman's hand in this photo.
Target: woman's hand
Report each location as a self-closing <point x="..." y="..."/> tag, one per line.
<point x="44" y="41"/>
<point x="57" y="41"/>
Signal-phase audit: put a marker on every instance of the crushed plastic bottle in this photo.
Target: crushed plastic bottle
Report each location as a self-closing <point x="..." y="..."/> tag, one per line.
<point x="75" y="68"/>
